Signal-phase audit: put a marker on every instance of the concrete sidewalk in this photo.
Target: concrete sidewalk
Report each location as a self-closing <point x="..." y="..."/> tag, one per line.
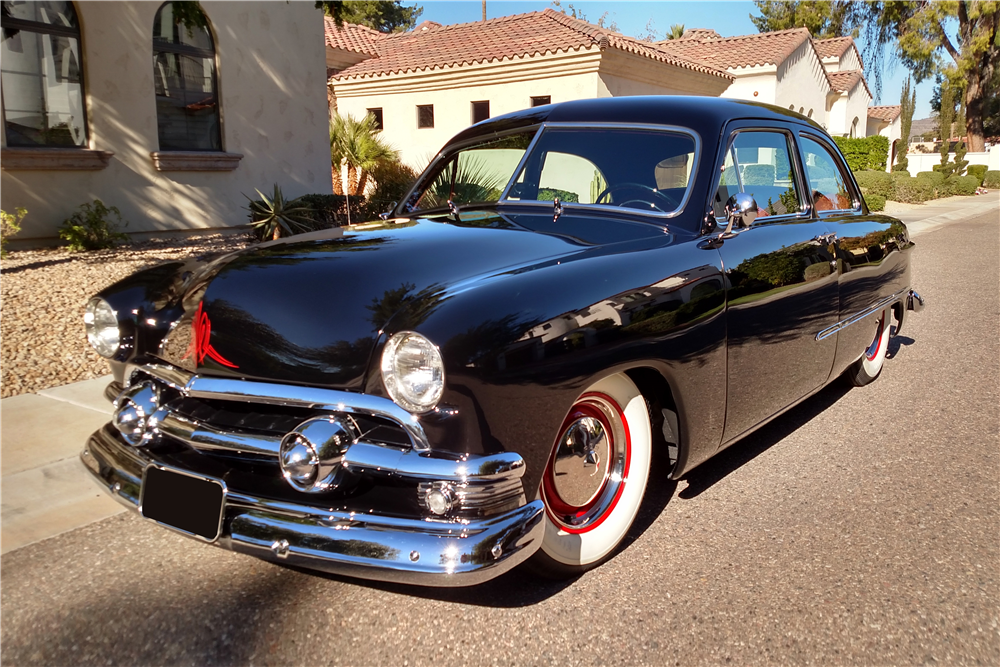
<point x="44" y="487"/>
<point x="935" y="214"/>
<point x="46" y="490"/>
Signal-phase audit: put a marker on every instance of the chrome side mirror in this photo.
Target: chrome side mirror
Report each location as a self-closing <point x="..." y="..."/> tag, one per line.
<point x="741" y="211"/>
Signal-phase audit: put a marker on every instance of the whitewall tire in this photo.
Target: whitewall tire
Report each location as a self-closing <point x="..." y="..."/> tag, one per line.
<point x="595" y="478"/>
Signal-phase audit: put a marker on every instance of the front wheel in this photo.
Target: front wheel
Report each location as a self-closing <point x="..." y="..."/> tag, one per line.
<point x="869" y="365"/>
<point x="595" y="478"/>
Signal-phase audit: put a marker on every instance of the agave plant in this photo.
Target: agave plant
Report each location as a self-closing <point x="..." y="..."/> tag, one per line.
<point x="276" y="216"/>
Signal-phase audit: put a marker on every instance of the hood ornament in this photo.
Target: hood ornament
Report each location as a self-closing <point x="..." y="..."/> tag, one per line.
<point x="201" y="343"/>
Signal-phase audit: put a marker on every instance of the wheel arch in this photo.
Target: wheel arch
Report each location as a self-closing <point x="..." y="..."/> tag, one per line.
<point x="664" y="414"/>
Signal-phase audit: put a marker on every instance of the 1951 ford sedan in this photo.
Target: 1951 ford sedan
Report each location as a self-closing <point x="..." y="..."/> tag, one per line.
<point x="483" y="377"/>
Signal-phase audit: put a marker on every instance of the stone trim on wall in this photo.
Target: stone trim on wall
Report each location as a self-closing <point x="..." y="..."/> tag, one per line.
<point x="53" y="159"/>
<point x="195" y="161"/>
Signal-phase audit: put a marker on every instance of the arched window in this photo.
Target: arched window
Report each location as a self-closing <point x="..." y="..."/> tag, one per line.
<point x="187" y="101"/>
<point x="43" y="103"/>
<point x="854" y="128"/>
<point x="810" y="114"/>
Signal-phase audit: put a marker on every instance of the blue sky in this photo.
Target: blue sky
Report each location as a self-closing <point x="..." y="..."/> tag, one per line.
<point x="726" y="18"/>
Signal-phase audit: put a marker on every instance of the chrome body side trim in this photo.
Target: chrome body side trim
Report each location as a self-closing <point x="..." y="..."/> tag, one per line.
<point x="857" y="317"/>
<point x="249" y="391"/>
<point x="457" y="552"/>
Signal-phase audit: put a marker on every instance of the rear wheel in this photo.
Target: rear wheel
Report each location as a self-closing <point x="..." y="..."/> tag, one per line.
<point x="595" y="478"/>
<point x="869" y="365"/>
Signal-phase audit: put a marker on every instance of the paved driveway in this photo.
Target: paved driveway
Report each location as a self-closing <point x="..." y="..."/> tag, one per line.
<point x="862" y="527"/>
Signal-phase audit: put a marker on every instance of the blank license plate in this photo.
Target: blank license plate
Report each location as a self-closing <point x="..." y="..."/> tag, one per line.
<point x="189" y="504"/>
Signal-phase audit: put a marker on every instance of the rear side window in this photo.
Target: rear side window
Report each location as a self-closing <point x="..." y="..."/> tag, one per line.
<point x="826" y="177"/>
<point x="757" y="163"/>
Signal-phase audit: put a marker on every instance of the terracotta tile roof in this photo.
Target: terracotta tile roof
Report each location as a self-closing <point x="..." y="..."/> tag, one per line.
<point x="699" y="33"/>
<point x="766" y="48"/>
<point x="845" y="81"/>
<point x="833" y="47"/>
<point x="351" y="37"/>
<point x="886" y="113"/>
<point x="542" y="32"/>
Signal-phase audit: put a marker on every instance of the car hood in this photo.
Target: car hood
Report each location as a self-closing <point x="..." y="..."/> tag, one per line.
<point x="310" y="309"/>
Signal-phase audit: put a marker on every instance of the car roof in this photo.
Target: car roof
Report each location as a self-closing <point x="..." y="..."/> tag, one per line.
<point x="706" y="115"/>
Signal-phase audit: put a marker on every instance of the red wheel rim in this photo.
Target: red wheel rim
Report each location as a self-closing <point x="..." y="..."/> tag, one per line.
<point x="593" y="513"/>
<point x="876" y="345"/>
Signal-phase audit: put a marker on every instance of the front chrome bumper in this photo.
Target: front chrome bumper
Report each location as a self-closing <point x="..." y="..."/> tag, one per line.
<point x="458" y="552"/>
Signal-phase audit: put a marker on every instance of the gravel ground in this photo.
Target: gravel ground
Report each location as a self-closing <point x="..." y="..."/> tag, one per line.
<point x="43" y="296"/>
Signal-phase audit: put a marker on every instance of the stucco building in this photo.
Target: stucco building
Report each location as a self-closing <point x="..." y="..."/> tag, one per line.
<point x="427" y="84"/>
<point x="171" y="122"/>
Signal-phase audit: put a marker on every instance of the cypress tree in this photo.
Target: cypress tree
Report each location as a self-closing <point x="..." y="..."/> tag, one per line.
<point x="907" y="103"/>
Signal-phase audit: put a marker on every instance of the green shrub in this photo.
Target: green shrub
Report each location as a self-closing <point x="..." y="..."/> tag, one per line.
<point x="10" y="225"/>
<point x="935" y="177"/>
<point x="876" y="183"/>
<point x="962" y="185"/>
<point x="977" y="170"/>
<point x="875" y="202"/>
<point x="331" y="210"/>
<point x="913" y="191"/>
<point x="900" y="176"/>
<point x="991" y="179"/>
<point x="868" y="154"/>
<point x="94" y="226"/>
<point x="392" y="181"/>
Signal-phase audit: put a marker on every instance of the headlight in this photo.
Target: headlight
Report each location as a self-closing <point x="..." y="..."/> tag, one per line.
<point x="102" y="327"/>
<point x="412" y="371"/>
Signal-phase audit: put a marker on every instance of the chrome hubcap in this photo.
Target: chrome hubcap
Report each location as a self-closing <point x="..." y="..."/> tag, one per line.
<point x="580" y="466"/>
<point x="589" y="466"/>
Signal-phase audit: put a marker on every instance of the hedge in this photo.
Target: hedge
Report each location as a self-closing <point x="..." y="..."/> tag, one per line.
<point x="991" y="179"/>
<point x="963" y="185"/>
<point x="875" y="202"/>
<point x="877" y="183"/>
<point x="913" y="190"/>
<point x="977" y="170"/>
<point x="868" y="154"/>
<point x="935" y="177"/>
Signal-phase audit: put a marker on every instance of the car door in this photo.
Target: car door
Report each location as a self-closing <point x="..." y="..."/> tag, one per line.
<point x="781" y="282"/>
<point x="870" y="264"/>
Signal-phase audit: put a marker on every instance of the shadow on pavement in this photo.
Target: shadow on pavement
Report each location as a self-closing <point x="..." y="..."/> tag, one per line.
<point x="896" y="343"/>
<point x="755" y="444"/>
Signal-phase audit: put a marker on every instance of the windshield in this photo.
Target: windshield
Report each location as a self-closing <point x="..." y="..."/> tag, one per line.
<point x="646" y="169"/>
<point x="476" y="174"/>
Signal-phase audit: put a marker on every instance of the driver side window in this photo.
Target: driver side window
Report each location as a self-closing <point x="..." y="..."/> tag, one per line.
<point x="758" y="163"/>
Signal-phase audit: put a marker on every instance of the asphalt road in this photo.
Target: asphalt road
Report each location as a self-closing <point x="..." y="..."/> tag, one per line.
<point x="863" y="527"/>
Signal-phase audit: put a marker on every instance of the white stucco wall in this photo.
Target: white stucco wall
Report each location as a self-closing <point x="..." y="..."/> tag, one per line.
<point x="845" y="108"/>
<point x="273" y="108"/>
<point x="757" y="84"/>
<point x="624" y="74"/>
<point x="802" y="84"/>
<point x="849" y="61"/>
<point x="918" y="162"/>
<point x="508" y="86"/>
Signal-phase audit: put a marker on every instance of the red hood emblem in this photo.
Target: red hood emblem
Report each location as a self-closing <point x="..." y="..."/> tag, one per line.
<point x="201" y="344"/>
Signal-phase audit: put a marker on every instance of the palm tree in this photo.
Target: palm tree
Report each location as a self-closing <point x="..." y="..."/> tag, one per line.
<point x="676" y="31"/>
<point x="356" y="143"/>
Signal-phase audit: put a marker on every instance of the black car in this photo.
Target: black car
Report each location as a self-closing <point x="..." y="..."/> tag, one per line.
<point x="484" y="376"/>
